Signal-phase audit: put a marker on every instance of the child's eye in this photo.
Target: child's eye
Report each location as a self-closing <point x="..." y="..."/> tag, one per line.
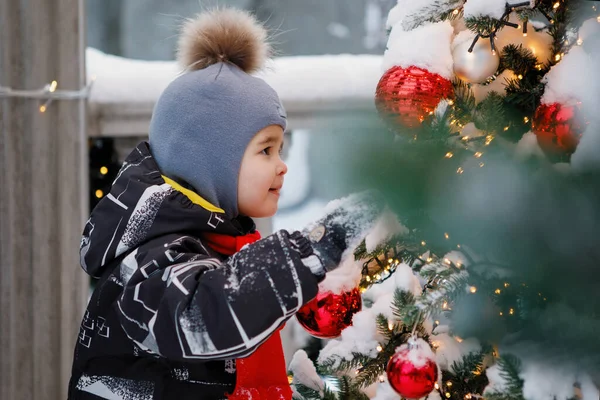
<point x="266" y="151"/>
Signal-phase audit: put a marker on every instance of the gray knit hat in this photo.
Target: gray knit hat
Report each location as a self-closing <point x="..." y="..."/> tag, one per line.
<point x="204" y="120"/>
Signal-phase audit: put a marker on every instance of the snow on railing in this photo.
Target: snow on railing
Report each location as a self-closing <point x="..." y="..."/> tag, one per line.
<point x="312" y="88"/>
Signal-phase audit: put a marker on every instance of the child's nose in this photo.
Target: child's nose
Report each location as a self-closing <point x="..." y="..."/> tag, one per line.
<point x="282" y="168"/>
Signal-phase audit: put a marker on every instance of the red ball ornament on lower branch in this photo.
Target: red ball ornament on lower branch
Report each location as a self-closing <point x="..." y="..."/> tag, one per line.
<point x="558" y="128"/>
<point x="406" y="96"/>
<point x="412" y="371"/>
<point x="328" y="314"/>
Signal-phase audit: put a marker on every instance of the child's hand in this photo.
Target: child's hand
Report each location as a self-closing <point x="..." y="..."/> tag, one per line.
<point x="347" y="223"/>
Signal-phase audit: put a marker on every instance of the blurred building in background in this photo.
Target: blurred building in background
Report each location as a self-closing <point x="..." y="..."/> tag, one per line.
<point x="147" y="29"/>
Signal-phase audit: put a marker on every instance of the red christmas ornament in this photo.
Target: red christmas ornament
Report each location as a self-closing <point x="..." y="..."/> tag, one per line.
<point x="328" y="314"/>
<point x="412" y="371"/>
<point x="558" y="128"/>
<point x="406" y="96"/>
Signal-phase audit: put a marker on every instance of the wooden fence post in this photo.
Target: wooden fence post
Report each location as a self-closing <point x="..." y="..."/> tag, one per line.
<point x="43" y="198"/>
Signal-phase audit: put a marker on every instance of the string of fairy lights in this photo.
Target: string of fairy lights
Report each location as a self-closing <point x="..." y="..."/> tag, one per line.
<point x="49" y="93"/>
<point x="100" y="175"/>
<point x="487" y="138"/>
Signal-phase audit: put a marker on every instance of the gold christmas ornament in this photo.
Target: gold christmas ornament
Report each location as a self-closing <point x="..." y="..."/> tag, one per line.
<point x="475" y="66"/>
<point x="539" y="43"/>
<point x="497" y="85"/>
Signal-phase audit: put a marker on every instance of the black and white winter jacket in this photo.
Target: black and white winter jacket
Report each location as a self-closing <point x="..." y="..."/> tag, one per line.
<point x="169" y="315"/>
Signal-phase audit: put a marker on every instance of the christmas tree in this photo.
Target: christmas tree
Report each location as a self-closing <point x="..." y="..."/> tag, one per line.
<point x="480" y="281"/>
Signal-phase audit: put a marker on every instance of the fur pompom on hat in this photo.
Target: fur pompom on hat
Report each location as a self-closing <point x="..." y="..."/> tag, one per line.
<point x="204" y="120"/>
<point x="226" y="35"/>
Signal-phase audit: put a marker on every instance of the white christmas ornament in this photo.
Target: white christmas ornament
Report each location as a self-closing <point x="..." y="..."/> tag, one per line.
<point x="475" y="66"/>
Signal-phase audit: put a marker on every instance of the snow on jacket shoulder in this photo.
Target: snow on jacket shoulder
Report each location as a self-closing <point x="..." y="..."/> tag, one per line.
<point x="169" y="314"/>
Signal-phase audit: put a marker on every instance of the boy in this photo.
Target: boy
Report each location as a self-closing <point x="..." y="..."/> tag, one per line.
<point x="188" y="298"/>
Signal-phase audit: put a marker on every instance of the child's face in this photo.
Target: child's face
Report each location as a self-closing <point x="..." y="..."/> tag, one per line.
<point x="261" y="174"/>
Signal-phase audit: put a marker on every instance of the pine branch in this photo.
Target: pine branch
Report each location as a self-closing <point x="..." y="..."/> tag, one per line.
<point x="404" y="307"/>
<point x="524" y="94"/>
<point x="383" y="327"/>
<point x="308" y="393"/>
<point x="440" y="129"/>
<point x="375" y="367"/>
<point x="464" y="101"/>
<point x="469" y="366"/>
<point x="466" y="377"/>
<point x="349" y="391"/>
<point x="490" y="115"/>
<point x="336" y="363"/>
<point x="439" y="11"/>
<point x="483" y="25"/>
<point x="517" y="59"/>
<point x="510" y="368"/>
<point x="448" y="292"/>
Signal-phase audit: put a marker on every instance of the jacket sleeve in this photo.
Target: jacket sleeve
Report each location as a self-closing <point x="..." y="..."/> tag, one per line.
<point x="181" y="303"/>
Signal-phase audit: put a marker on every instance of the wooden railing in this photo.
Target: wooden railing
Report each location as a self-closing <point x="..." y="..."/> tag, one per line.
<point x="315" y="90"/>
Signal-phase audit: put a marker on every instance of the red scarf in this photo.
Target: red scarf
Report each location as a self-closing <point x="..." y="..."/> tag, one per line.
<point x="262" y="375"/>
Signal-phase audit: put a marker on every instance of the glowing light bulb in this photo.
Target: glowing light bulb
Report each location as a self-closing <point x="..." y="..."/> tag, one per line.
<point x="449" y="155"/>
<point x="478" y="154"/>
<point x="579" y="42"/>
<point x="379" y="348"/>
<point x="103" y="170"/>
<point x="446" y="236"/>
<point x="53" y="86"/>
<point x="99" y="193"/>
<point x="473" y="289"/>
<point x="497" y="291"/>
<point x="423" y="243"/>
<point x="43" y="109"/>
